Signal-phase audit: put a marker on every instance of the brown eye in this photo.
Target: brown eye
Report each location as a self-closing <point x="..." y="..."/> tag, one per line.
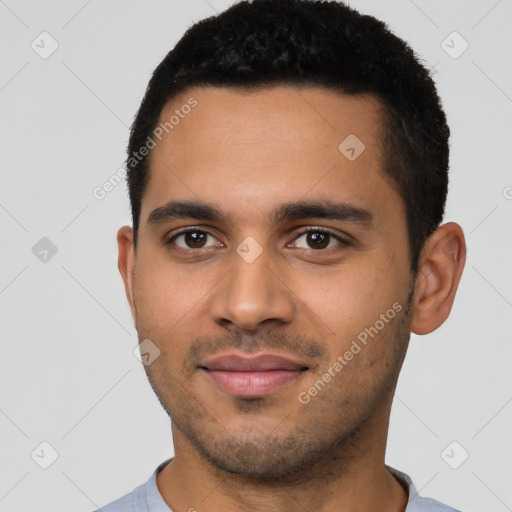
<point x="192" y="239"/>
<point x="195" y="239"/>
<point x="318" y="239"/>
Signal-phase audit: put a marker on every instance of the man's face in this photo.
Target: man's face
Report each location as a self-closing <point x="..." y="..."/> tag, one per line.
<point x="251" y="281"/>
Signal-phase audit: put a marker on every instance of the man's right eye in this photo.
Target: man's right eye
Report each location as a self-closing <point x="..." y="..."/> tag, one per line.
<point x="191" y="239"/>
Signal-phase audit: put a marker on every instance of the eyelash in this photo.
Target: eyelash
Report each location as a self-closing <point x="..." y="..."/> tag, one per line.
<point x="177" y="248"/>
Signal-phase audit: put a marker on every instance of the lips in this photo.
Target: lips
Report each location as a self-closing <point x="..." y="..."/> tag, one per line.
<point x="260" y="363"/>
<point x="252" y="376"/>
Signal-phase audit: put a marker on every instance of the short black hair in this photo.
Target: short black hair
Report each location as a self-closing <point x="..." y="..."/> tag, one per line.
<point x="266" y="43"/>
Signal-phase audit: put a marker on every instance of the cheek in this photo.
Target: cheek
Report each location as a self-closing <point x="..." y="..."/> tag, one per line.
<point x="172" y="301"/>
<point x="349" y="299"/>
<point x="164" y="296"/>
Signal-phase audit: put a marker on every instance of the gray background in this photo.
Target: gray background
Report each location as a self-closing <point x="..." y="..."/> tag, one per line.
<point x="69" y="375"/>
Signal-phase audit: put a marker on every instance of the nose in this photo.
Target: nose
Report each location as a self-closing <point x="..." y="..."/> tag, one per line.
<point x="252" y="294"/>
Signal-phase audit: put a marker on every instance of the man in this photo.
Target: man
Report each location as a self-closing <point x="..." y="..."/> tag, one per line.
<point x="287" y="172"/>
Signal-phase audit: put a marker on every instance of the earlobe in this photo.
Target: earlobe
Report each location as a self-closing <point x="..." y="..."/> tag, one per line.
<point x="440" y="269"/>
<point x="126" y="262"/>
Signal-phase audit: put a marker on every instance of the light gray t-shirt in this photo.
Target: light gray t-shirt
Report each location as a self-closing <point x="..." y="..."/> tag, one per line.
<point x="147" y="498"/>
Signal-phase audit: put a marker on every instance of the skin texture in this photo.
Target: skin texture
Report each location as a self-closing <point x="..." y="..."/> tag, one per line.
<point x="248" y="153"/>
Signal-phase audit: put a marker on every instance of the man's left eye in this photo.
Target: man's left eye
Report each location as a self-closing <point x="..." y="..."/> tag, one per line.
<point x="318" y="239"/>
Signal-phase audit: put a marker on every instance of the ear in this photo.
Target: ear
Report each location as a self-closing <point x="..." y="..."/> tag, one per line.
<point x="126" y="263"/>
<point x="440" y="268"/>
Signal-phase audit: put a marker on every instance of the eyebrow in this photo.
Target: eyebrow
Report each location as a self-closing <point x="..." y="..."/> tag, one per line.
<point x="324" y="209"/>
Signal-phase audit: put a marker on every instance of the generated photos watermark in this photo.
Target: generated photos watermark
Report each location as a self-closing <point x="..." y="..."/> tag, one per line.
<point x="101" y="191"/>
<point x="304" y="397"/>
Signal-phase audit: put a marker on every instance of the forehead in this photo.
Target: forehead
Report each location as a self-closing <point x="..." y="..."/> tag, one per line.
<point x="240" y="147"/>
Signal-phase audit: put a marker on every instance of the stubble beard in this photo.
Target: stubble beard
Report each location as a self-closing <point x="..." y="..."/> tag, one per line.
<point x="323" y="445"/>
